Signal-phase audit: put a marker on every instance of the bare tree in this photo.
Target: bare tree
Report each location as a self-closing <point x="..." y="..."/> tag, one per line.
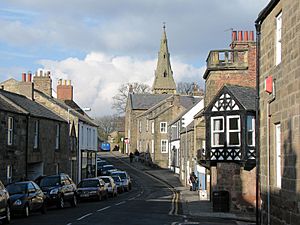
<point x="120" y="99"/>
<point x="107" y="124"/>
<point x="185" y="88"/>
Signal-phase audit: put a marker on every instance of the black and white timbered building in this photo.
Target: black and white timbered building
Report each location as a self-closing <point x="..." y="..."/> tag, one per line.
<point x="230" y="127"/>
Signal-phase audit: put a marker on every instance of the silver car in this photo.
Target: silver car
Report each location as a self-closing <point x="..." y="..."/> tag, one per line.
<point x="110" y="184"/>
<point x="126" y="180"/>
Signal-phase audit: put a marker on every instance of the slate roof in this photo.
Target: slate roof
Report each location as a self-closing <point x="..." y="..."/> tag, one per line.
<point x="189" y="101"/>
<point x="245" y="95"/>
<point x="69" y="104"/>
<point x="146" y="101"/>
<point x="5" y="105"/>
<point x="32" y="107"/>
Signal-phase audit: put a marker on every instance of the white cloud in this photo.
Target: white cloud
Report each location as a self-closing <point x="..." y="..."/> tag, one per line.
<point x="98" y="76"/>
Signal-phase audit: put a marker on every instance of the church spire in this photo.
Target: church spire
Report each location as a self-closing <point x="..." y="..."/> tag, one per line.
<point x="164" y="82"/>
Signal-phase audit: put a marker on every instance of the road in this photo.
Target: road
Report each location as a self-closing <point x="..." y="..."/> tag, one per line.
<point x="150" y="202"/>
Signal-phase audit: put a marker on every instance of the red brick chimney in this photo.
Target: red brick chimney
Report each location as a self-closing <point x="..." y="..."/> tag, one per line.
<point x="242" y="39"/>
<point x="26" y="87"/>
<point x="64" y="90"/>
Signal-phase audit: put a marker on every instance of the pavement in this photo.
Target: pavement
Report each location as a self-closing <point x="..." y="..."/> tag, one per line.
<point x="192" y="203"/>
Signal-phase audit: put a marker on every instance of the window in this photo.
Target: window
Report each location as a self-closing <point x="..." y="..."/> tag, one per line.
<point x="57" y="139"/>
<point x="10" y="130"/>
<point x="82" y="139"/>
<point x="217" y="129"/>
<point x="250" y="131"/>
<point x="147" y="125"/>
<point x="163" y="127"/>
<point x="278" y="38"/>
<point x="278" y="155"/>
<point x="140" y="126"/>
<point x="8" y="173"/>
<point x="164" y="146"/>
<point x="165" y="74"/>
<point x="152" y="127"/>
<point x="233" y="130"/>
<point x="36" y="134"/>
<point x="152" y="146"/>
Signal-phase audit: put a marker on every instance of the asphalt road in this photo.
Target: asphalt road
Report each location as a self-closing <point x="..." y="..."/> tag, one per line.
<point x="150" y="202"/>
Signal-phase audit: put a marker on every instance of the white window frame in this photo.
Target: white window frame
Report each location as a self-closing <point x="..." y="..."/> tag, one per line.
<point x="163" y="127"/>
<point x="162" y="145"/>
<point x="252" y="130"/>
<point x="10" y="130"/>
<point x="278" y="38"/>
<point x="278" y="154"/>
<point x="8" y="172"/>
<point x="36" y="134"/>
<point x="228" y="131"/>
<point x="152" y="146"/>
<point x="216" y="131"/>
<point x="147" y="125"/>
<point x="152" y="127"/>
<point x="57" y="137"/>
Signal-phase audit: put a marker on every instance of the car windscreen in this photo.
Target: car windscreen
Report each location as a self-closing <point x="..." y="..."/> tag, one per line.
<point x="101" y="163"/>
<point x="116" y="178"/>
<point x="49" y="181"/>
<point x="105" y="168"/>
<point x="105" y="179"/>
<point x="88" y="183"/>
<point x="121" y="175"/>
<point x="17" y="188"/>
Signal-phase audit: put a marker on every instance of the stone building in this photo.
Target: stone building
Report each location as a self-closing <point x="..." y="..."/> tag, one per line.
<point x="152" y="128"/>
<point x="36" y="139"/>
<point x="163" y="87"/>
<point x="235" y="66"/>
<point x="83" y="135"/>
<point x="279" y="111"/>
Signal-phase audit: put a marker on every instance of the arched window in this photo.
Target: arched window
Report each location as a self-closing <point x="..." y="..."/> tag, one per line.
<point x="165" y="74"/>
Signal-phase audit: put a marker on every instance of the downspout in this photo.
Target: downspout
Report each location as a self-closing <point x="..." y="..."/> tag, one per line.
<point x="27" y="146"/>
<point x="257" y="123"/>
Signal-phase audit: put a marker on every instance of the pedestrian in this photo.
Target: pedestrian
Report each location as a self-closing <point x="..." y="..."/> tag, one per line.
<point x="136" y="155"/>
<point x="131" y="157"/>
<point x="193" y="181"/>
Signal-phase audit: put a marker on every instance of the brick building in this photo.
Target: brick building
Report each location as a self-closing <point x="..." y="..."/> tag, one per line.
<point x="279" y="106"/>
<point x="225" y="119"/>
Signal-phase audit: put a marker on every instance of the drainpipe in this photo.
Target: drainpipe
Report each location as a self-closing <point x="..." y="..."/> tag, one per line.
<point x="27" y="146"/>
<point x="257" y="123"/>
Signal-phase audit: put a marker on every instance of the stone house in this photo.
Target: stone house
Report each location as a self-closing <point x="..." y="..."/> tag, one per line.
<point x="279" y="111"/>
<point x="235" y="66"/>
<point x="83" y="134"/>
<point x="152" y="126"/>
<point x="36" y="139"/>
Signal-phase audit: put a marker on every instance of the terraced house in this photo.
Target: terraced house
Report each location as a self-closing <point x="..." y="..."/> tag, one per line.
<point x="279" y="105"/>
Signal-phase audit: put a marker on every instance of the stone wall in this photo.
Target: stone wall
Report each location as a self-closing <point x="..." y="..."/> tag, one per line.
<point x="284" y="110"/>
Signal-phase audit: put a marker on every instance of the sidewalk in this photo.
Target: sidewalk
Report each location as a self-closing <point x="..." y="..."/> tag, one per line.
<point x="190" y="200"/>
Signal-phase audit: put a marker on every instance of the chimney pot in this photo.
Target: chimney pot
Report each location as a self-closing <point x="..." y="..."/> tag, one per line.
<point x="246" y="35"/>
<point x="251" y="35"/>
<point x="59" y="82"/>
<point x="24" y="77"/>
<point x="233" y="35"/>
<point x="65" y="82"/>
<point x="240" y="36"/>
<point x="68" y="82"/>
<point x="41" y="73"/>
<point x="29" y="76"/>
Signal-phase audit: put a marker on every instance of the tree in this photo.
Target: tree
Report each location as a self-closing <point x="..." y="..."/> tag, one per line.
<point x="107" y="124"/>
<point x="189" y="88"/>
<point x="120" y="99"/>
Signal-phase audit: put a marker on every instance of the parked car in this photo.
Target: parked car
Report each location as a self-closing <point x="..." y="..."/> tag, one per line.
<point x="26" y="197"/>
<point x="119" y="183"/>
<point x="111" y="186"/>
<point x="106" y="169"/>
<point x="100" y="165"/>
<point x="126" y="180"/>
<point x="4" y="205"/>
<point x="92" y="188"/>
<point x="59" y="189"/>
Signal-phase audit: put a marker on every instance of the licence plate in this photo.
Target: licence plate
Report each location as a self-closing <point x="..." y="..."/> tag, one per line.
<point x="84" y="195"/>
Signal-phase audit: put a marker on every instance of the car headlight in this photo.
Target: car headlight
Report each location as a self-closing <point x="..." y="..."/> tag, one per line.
<point x="54" y="191"/>
<point x="18" y="202"/>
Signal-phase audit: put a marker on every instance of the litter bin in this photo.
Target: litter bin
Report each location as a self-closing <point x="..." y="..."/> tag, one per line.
<point x="220" y="201"/>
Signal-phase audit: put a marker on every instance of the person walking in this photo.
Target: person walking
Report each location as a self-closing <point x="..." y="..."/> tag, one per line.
<point x="131" y="157"/>
<point x="193" y="181"/>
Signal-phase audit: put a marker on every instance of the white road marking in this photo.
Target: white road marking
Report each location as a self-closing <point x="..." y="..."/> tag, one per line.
<point x="120" y="203"/>
<point x="132" y="198"/>
<point x="85" y="216"/>
<point x="69" y="224"/>
<point x="99" y="210"/>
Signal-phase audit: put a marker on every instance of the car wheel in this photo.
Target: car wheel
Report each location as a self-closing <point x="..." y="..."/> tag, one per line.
<point x="61" y="202"/>
<point x="106" y="195"/>
<point x="44" y="208"/>
<point x="129" y="187"/>
<point x="7" y="215"/>
<point x="99" y="196"/>
<point x="74" y="201"/>
<point x="26" y="211"/>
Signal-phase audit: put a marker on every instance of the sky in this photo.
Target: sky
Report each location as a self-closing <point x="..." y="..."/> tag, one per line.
<point x="101" y="44"/>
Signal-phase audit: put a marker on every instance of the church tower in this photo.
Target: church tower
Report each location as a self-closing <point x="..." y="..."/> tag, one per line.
<point x="164" y="82"/>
